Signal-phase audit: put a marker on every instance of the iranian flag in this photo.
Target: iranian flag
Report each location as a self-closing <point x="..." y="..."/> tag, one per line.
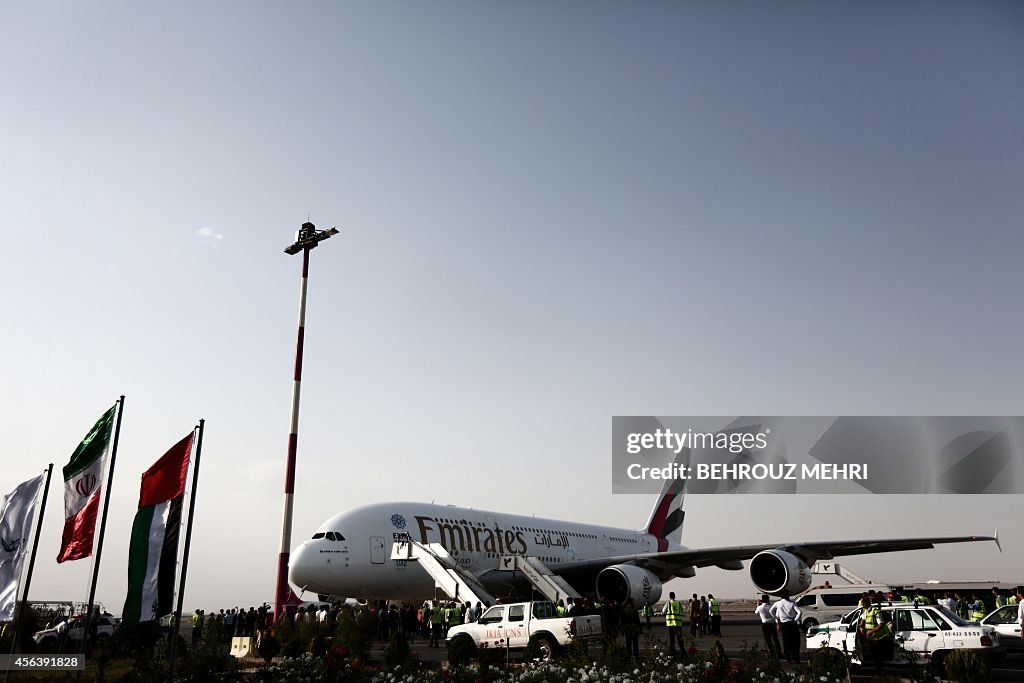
<point x="82" y="483"/>
<point x="153" y="551"/>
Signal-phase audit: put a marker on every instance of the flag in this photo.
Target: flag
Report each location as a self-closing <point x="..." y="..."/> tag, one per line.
<point x="16" y="512"/>
<point x="153" y="551"/>
<point x="82" y="484"/>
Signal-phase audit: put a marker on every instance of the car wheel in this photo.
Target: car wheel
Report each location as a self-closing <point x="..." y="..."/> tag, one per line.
<point x="939" y="663"/>
<point x="809" y="623"/>
<point x="461" y="650"/>
<point x="546" y="648"/>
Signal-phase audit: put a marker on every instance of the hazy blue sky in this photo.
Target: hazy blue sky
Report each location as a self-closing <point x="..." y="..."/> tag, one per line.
<point x="550" y="213"/>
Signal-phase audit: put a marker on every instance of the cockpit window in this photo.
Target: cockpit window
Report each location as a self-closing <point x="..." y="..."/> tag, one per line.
<point x="334" y="536"/>
<point x="318" y="534"/>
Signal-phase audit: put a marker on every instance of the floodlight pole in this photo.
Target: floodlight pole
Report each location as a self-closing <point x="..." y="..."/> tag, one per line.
<point x="306" y="240"/>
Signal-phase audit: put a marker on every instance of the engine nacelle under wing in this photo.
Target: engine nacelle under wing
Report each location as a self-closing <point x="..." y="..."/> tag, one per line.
<point x="622" y="581"/>
<point x="775" y="571"/>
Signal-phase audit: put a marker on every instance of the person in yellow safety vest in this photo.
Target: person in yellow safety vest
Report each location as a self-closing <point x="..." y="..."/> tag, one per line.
<point x="875" y="633"/>
<point x="1000" y="598"/>
<point x="920" y="599"/>
<point x="716" y="615"/>
<point x="197" y="626"/>
<point x="977" y="608"/>
<point x="647" y="612"/>
<point x="560" y="609"/>
<point x="674" y="622"/>
<point x="454" y="615"/>
<point x="436" y="622"/>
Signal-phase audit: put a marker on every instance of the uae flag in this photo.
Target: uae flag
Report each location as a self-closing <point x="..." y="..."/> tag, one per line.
<point x="153" y="552"/>
<point x="82" y="484"/>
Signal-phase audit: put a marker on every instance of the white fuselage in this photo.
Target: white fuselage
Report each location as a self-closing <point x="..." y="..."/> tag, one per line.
<point x="350" y="554"/>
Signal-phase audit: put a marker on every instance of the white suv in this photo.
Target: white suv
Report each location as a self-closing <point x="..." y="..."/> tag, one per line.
<point x="926" y="633"/>
<point x="48" y="639"/>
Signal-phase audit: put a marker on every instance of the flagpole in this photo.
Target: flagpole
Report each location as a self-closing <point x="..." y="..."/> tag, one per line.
<point x="103" y="526"/>
<point x="184" y="557"/>
<point x="31" y="565"/>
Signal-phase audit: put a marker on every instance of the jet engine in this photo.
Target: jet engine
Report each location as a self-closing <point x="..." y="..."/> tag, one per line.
<point x="622" y="581"/>
<point x="774" y="571"/>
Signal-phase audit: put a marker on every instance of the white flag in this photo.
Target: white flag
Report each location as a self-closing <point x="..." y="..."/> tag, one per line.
<point x="16" y="513"/>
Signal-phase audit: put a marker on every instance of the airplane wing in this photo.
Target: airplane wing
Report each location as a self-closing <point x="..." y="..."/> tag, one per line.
<point x="730" y="557"/>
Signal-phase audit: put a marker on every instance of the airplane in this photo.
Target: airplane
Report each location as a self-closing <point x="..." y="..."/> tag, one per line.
<point x="349" y="555"/>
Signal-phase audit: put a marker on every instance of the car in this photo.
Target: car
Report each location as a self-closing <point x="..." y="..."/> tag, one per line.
<point x="922" y="633"/>
<point x="1004" y="620"/>
<point x="49" y="639"/>
<point x="515" y="626"/>
<point x="822" y="604"/>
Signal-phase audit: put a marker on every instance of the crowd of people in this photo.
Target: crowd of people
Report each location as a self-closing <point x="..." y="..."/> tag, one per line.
<point x="235" y="622"/>
<point x="432" y="619"/>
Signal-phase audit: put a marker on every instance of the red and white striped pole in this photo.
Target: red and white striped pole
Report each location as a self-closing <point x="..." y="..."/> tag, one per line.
<point x="306" y="239"/>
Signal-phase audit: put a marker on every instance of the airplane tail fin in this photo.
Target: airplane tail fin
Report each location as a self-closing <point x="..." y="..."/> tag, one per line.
<point x="666" y="521"/>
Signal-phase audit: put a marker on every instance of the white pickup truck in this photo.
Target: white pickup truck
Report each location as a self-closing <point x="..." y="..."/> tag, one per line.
<point x="514" y="626"/>
<point x="48" y="640"/>
<point x="925" y="632"/>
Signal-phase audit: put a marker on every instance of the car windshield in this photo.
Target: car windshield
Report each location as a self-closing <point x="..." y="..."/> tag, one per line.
<point x="952" y="617"/>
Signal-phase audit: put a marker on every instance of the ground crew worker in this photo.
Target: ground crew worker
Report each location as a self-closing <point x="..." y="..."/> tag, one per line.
<point x="436" y="624"/>
<point x="961" y="606"/>
<point x="674" y="622"/>
<point x="876" y="634"/>
<point x="920" y="599"/>
<point x="716" y="615"/>
<point x="560" y="609"/>
<point x="977" y="608"/>
<point x="197" y="626"/>
<point x="1000" y="598"/>
<point x="647" y="612"/>
<point x="454" y="616"/>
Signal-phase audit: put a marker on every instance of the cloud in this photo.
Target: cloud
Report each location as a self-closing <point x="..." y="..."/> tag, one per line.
<point x="208" y="236"/>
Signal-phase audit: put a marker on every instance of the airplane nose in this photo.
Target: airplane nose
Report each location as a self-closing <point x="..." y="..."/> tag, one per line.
<point x="306" y="568"/>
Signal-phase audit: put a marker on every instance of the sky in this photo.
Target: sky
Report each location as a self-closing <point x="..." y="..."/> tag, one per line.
<point x="549" y="214"/>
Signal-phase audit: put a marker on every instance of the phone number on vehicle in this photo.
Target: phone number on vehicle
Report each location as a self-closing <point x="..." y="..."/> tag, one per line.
<point x="22" y="663"/>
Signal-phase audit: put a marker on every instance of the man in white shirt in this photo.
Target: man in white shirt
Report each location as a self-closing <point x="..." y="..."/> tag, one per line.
<point x="787" y="614"/>
<point x="1020" y="609"/>
<point x="771" y="638"/>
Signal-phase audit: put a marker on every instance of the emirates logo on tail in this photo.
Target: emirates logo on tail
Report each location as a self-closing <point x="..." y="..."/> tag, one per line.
<point x="85" y="484"/>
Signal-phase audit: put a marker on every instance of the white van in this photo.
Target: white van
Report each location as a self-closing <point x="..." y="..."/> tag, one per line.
<point x="821" y="605"/>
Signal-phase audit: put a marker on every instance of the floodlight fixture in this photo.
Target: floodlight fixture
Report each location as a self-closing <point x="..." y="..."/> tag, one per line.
<point x="307" y="237"/>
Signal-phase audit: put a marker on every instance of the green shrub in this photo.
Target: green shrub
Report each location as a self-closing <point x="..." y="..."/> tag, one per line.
<point x="967" y="666"/>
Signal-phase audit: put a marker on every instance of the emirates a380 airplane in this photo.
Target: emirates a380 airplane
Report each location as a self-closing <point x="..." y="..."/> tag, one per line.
<point x="349" y="555"/>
